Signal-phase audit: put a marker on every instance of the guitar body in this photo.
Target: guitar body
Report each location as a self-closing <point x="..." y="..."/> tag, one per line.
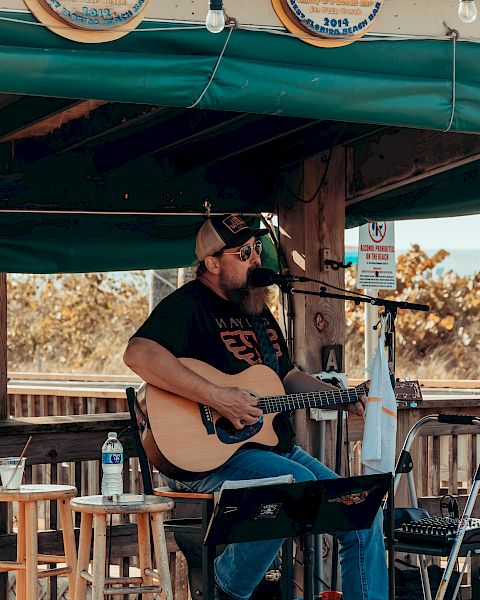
<point x="186" y="440"/>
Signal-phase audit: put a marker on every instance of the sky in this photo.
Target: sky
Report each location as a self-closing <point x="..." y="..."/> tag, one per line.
<point x="452" y="233"/>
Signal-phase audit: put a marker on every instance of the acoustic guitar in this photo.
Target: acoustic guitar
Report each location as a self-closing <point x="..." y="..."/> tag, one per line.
<point x="186" y="440"/>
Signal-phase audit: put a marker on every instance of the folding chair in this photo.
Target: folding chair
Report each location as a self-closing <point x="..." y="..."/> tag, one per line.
<point x="466" y="539"/>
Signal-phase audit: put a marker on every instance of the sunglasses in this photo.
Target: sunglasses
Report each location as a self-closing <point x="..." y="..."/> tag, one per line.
<point x="245" y="251"/>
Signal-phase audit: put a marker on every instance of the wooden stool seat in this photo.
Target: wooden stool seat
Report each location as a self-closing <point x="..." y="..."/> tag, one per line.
<point x="166" y="492"/>
<point x="28" y="558"/>
<point x="149" y="512"/>
<point x="36" y="492"/>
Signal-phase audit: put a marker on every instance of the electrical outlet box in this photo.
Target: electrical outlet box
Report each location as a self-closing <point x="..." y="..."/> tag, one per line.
<point x="319" y="414"/>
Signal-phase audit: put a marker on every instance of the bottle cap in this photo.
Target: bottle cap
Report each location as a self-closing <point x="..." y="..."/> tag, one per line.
<point x="112" y="434"/>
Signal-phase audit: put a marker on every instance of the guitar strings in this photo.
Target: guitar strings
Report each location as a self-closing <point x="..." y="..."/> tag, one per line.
<point x="270" y="404"/>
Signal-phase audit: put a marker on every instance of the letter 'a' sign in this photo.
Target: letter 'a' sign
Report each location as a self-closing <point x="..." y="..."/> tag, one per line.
<point x="328" y="23"/>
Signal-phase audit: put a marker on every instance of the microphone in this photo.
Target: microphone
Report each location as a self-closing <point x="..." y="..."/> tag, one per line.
<point x="261" y="277"/>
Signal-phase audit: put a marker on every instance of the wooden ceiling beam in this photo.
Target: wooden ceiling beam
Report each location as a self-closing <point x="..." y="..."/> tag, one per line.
<point x="396" y="157"/>
<point x="30" y="116"/>
<point x="6" y="99"/>
<point x="182" y="128"/>
<point x="106" y="121"/>
<point x="226" y="144"/>
<point x="301" y="145"/>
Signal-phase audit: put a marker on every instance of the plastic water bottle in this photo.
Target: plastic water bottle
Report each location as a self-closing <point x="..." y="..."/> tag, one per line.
<point x="112" y="466"/>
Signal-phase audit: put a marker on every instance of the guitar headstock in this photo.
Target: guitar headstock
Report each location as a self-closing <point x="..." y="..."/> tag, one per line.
<point x="408" y="392"/>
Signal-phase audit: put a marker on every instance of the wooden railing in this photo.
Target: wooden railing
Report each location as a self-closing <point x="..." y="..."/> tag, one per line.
<point x="436" y="446"/>
<point x="67" y="449"/>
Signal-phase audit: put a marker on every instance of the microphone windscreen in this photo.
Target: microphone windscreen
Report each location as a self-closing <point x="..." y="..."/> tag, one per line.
<point x="261" y="277"/>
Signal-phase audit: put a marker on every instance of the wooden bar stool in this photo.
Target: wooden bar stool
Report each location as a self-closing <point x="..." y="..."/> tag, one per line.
<point x="28" y="557"/>
<point x="150" y="511"/>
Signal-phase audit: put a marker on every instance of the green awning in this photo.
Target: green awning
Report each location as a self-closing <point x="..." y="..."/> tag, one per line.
<point x="450" y="194"/>
<point x="405" y="83"/>
<point x="82" y="243"/>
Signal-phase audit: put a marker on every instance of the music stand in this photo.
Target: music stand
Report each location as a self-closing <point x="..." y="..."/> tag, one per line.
<point x="297" y="509"/>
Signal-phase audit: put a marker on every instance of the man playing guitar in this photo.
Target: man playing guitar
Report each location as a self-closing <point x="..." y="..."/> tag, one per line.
<point x="222" y="320"/>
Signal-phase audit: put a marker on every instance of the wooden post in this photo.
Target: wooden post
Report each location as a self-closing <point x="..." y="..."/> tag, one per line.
<point x="312" y="225"/>
<point x="3" y="403"/>
<point x="3" y="347"/>
<point x="311" y="230"/>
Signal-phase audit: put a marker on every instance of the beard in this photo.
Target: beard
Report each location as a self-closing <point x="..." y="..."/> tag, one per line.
<point x="252" y="300"/>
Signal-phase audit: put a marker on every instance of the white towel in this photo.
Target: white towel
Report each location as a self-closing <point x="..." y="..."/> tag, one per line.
<point x="380" y="432"/>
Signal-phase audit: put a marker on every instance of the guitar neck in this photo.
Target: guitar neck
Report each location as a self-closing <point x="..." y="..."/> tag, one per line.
<point x="318" y="399"/>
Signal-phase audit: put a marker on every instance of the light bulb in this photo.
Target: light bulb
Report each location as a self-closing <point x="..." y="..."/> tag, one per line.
<point x="467" y="11"/>
<point x="215" y="21"/>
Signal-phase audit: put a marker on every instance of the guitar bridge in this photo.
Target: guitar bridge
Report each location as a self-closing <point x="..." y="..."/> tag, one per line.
<point x="207" y="418"/>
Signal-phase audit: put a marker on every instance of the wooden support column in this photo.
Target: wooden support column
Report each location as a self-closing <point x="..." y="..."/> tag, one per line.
<point x="3" y="347"/>
<point x="306" y="229"/>
<point x="3" y="405"/>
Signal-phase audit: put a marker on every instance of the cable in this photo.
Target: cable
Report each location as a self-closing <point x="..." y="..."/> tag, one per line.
<point x="124" y="431"/>
<point x="324" y="176"/>
<point x="281" y="258"/>
<point x="315" y="574"/>
<point x="451" y="506"/>
<point x="217" y="64"/>
<point x="320" y="185"/>
<point x="297" y="585"/>
<point x="271" y="232"/>
<point x="340" y="289"/>
<point x="287" y="305"/>
<point x="454" y="35"/>
<point x="352" y="454"/>
<point x="369" y="37"/>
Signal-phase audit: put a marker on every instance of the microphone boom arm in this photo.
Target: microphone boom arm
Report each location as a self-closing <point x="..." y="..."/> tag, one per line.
<point x="262" y="277"/>
<point x="389" y="304"/>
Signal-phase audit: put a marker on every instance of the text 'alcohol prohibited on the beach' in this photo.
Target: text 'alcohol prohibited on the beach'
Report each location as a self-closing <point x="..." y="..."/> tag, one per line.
<point x="376" y="256"/>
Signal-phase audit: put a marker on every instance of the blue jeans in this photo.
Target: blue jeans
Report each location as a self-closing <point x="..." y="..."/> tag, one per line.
<point x="239" y="569"/>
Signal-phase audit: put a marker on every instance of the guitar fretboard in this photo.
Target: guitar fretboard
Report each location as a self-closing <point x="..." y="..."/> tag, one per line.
<point x="318" y="399"/>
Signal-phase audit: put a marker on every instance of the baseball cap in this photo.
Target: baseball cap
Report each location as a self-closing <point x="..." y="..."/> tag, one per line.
<point x="223" y="231"/>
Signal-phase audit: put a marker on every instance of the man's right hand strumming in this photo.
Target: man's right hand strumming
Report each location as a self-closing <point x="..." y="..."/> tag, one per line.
<point x="238" y="406"/>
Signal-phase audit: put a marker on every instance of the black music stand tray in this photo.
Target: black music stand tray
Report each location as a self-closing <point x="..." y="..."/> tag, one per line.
<point x="297" y="509"/>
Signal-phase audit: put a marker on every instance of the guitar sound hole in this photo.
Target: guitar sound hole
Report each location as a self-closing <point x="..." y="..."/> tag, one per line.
<point x="225" y="425"/>
<point x="227" y="433"/>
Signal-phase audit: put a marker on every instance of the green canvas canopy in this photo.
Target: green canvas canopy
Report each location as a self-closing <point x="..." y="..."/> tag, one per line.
<point x="406" y="83"/>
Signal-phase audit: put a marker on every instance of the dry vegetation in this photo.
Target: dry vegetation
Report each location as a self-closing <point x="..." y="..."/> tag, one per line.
<point x="73" y="323"/>
<point x="443" y="343"/>
<point x="81" y="323"/>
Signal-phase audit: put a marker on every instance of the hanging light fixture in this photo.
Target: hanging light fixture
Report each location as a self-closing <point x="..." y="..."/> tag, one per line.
<point x="467" y="11"/>
<point x="215" y="21"/>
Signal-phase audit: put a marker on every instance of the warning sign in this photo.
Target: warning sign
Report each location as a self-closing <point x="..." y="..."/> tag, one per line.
<point x="376" y="256"/>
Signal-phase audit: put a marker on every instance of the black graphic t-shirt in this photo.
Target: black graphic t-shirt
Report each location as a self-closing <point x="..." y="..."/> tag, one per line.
<point x="194" y="322"/>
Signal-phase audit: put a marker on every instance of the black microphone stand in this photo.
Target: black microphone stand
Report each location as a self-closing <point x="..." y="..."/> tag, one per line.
<point x="391" y="307"/>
